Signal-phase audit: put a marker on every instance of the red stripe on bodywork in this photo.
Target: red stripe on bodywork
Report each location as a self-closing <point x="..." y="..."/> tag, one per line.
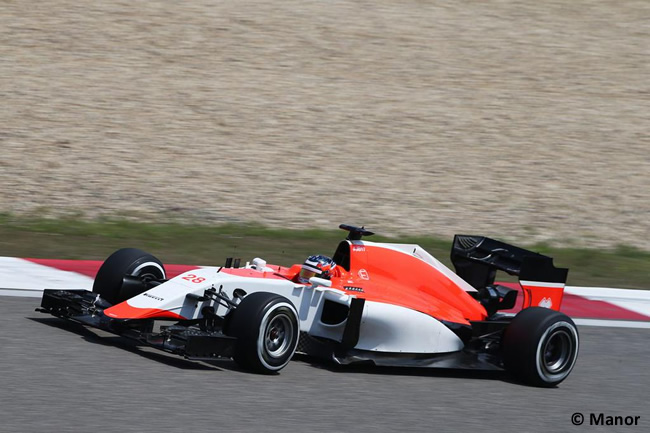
<point x="252" y="273"/>
<point x="90" y="267"/>
<point x="126" y="311"/>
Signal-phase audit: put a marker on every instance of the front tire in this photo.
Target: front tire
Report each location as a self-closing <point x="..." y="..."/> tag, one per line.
<point x="111" y="280"/>
<point x="540" y="346"/>
<point x="267" y="328"/>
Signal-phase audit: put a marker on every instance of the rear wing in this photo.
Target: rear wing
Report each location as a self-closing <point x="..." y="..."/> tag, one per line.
<point x="478" y="258"/>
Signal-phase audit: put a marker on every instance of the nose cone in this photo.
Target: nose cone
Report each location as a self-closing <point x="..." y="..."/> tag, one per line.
<point x="125" y="311"/>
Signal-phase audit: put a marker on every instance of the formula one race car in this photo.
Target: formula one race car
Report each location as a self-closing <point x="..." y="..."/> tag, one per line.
<point x="389" y="304"/>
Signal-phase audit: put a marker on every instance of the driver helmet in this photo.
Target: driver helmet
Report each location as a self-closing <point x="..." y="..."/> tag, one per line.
<point x="316" y="266"/>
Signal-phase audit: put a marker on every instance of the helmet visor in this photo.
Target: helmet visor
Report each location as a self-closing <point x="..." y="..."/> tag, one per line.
<point x="305" y="275"/>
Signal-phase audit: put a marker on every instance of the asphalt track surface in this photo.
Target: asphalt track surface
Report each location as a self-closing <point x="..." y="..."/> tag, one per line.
<point x="57" y="376"/>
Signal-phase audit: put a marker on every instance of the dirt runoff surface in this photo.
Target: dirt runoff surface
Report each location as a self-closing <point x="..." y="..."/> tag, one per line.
<point x="528" y="120"/>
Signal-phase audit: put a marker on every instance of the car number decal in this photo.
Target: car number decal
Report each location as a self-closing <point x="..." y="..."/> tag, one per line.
<point x="193" y="278"/>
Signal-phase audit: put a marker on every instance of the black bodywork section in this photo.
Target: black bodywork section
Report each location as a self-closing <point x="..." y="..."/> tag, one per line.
<point x="477" y="259"/>
<point x="356" y="233"/>
<point x="342" y="255"/>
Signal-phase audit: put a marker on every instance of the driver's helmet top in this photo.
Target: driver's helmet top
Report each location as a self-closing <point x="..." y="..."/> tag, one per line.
<point x="316" y="266"/>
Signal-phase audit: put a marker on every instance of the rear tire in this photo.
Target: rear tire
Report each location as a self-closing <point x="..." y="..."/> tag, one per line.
<point x="126" y="262"/>
<point x="540" y="346"/>
<point x="267" y="328"/>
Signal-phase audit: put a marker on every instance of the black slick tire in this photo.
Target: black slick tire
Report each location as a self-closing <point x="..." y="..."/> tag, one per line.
<point x="126" y="262"/>
<point x="540" y="346"/>
<point x="267" y="328"/>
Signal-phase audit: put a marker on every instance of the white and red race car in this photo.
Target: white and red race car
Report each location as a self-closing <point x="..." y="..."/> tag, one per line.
<point x="390" y="304"/>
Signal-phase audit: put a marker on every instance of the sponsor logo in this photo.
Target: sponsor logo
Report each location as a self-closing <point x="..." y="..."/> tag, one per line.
<point x="363" y="274"/>
<point x="546" y="303"/>
<point x="353" y="289"/>
<point x="157" y="298"/>
<point x="357" y="248"/>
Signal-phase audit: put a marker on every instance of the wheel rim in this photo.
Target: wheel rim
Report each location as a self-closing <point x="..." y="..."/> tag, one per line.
<point x="278" y="336"/>
<point x="557" y="352"/>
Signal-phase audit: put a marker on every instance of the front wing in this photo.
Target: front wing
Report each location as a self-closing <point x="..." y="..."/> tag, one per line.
<point x="198" y="339"/>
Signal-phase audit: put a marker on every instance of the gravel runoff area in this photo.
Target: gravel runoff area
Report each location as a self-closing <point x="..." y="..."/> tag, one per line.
<point x="524" y="119"/>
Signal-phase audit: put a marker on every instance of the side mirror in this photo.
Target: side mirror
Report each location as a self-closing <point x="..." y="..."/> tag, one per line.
<point x="258" y="264"/>
<point x="318" y="282"/>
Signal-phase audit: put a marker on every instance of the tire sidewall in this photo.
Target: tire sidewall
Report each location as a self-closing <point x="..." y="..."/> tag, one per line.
<point x="547" y="334"/>
<point x="144" y="263"/>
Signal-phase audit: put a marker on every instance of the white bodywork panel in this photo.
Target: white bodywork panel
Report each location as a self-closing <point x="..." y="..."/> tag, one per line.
<point x="391" y="328"/>
<point x="384" y="327"/>
<point x="171" y="295"/>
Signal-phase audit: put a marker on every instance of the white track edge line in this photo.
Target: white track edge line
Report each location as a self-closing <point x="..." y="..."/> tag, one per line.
<point x="612" y="323"/>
